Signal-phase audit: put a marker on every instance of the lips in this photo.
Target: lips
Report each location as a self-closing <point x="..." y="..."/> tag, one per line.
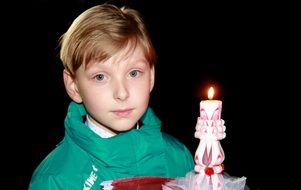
<point x="122" y="112"/>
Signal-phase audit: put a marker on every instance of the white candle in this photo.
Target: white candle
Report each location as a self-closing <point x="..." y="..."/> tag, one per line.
<point x="209" y="155"/>
<point x="210" y="109"/>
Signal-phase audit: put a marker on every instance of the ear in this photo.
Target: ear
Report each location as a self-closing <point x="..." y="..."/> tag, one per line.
<point x="71" y="87"/>
<point x="152" y="78"/>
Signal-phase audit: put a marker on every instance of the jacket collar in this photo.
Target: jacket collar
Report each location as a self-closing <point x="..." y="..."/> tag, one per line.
<point x="122" y="151"/>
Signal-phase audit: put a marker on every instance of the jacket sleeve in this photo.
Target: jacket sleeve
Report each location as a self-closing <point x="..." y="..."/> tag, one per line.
<point x="45" y="183"/>
<point x="189" y="158"/>
<point x="51" y="183"/>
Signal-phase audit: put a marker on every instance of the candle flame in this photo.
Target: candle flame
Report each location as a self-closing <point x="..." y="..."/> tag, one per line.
<point x="210" y="93"/>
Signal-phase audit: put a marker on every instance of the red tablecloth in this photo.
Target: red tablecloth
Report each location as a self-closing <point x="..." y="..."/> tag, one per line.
<point x="140" y="183"/>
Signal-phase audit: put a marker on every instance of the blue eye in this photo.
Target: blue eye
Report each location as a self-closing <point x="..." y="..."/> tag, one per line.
<point x="100" y="77"/>
<point x="134" y="73"/>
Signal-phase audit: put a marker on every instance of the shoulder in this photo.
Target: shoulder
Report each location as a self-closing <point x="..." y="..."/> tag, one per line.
<point x="172" y="141"/>
<point x="59" y="169"/>
<point x="177" y="154"/>
<point x="175" y="145"/>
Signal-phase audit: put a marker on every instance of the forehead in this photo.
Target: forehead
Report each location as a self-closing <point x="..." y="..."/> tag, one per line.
<point x="130" y="53"/>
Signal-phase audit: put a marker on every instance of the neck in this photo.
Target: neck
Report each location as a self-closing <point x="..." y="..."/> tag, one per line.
<point x="98" y="130"/>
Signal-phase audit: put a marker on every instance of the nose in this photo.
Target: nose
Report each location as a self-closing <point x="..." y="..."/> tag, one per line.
<point x="121" y="92"/>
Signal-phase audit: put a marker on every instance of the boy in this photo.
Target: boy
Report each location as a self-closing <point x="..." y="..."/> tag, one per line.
<point x="110" y="132"/>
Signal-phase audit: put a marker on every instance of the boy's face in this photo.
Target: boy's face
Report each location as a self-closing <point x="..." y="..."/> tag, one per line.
<point x="115" y="92"/>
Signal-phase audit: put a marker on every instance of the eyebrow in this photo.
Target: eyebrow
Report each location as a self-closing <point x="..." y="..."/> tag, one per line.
<point x="94" y="67"/>
<point x="140" y="62"/>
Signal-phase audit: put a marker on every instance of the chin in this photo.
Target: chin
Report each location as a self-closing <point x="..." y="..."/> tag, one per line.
<point x="123" y="127"/>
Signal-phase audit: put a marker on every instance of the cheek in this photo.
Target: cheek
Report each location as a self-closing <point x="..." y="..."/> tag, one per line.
<point x="96" y="105"/>
<point x="95" y="99"/>
<point x="141" y="94"/>
<point x="142" y="88"/>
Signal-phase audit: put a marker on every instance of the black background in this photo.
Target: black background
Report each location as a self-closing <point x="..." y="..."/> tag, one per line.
<point x="247" y="51"/>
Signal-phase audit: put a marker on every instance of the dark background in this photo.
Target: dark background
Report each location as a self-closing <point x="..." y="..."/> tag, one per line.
<point x="247" y="51"/>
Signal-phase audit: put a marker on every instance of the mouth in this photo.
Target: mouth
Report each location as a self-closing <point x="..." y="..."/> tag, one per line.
<point x="123" y="112"/>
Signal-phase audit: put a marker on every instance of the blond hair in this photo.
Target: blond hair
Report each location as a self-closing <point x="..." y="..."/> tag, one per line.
<point x="100" y="32"/>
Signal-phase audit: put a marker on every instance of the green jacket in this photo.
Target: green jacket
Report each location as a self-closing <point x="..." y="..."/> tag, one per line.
<point x="83" y="159"/>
